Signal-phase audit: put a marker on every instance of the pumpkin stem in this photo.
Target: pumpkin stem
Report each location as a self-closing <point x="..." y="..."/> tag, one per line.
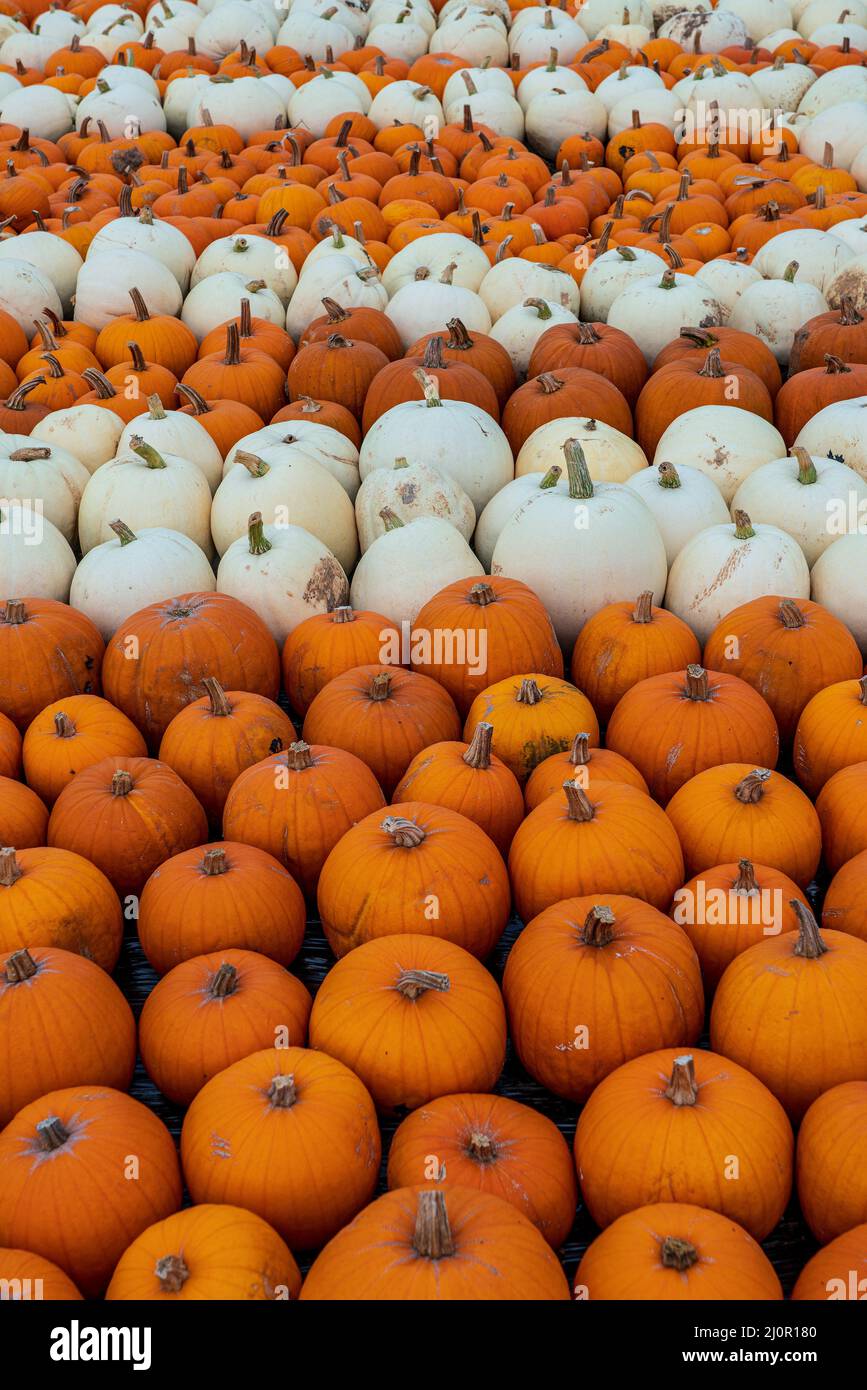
<point x="298" y="756"/>
<point x="282" y="1093"/>
<point x="256" y="467"/>
<point x="64" y="726"/>
<point x="121" y="783"/>
<point x="459" y="338"/>
<point x="586" y="334"/>
<point x="51" y="1133"/>
<point x="390" y="518"/>
<point x="478" y="753"/>
<point x="403" y="832"/>
<point x="580" y="807"/>
<point x="152" y="458"/>
<point x="790" y="272"/>
<point x="197" y="401"/>
<point x="543" y="309"/>
<point x="214" y="862"/>
<point x="10" y="870"/>
<point x="413" y="983"/>
<point x="258" y="542"/>
<point x="482" y="594"/>
<point x="677" y="1254"/>
<point x="171" y="1271"/>
<point x="432" y="1238"/>
<point x="380" y="686"/>
<point x="29" y="455"/>
<point x="682" y="1088"/>
<point x="790" y="614"/>
<point x="481" y="1147"/>
<point x="751" y="788"/>
<point x="668" y="475"/>
<point x="579" y="753"/>
<point x="835" y="365"/>
<point x="124" y="533"/>
<point x="746" y="881"/>
<point x="428" y="386"/>
<point x="220" y="706"/>
<point x="598" y="928"/>
<point x="577" y="471"/>
<point x="743" y="526"/>
<point x="696" y="683"/>
<point x="809" y="944"/>
<point x="433" y="355"/>
<point x="343" y="614"/>
<point x="643" y="610"/>
<point x="20" y="966"/>
<point x="549" y="383"/>
<point x="155" y="410"/>
<point x="528" y="692"/>
<point x="224" y="982"/>
<point x="806" y="468"/>
<point x="712" y="365"/>
<point x="849" y="315"/>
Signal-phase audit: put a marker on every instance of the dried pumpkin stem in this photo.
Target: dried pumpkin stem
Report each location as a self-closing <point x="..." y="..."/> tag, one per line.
<point x="403" y="832"/>
<point x="751" y="788"/>
<point x="432" y="1238"/>
<point x="380" y="686"/>
<point x="220" y="706"/>
<point x="63" y="725"/>
<point x="746" y="881"/>
<point x="282" y="1093"/>
<point x="478" y="754"/>
<point x="643" y="610"/>
<point x="790" y="614"/>
<point x="528" y="692"/>
<point x="809" y="944"/>
<point x="224" y="982"/>
<point x="696" y="683"/>
<point x="214" y="862"/>
<point x="51" y="1134"/>
<point x="20" y="966"/>
<point x="682" y="1088"/>
<point x="677" y="1254"/>
<point x="121" y="783"/>
<point x="579" y="804"/>
<point x="579" y="753"/>
<point x="343" y="614"/>
<point x="10" y="869"/>
<point x="413" y="983"/>
<point x="298" y="756"/>
<point x="598" y="928"/>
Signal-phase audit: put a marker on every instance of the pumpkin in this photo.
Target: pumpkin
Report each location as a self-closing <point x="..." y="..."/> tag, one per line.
<point x="326" y="645"/>
<point x="415" y="1016"/>
<point x="737" y="811"/>
<point x="580" y="764"/>
<point x="422" y="1245"/>
<point x="297" y="805"/>
<point x="533" y="716"/>
<point x="156" y="661"/>
<point x="358" y="322"/>
<point x="382" y="714"/>
<point x="840" y="808"/>
<point x="841" y="332"/>
<point x="210" y="742"/>
<point x="236" y="373"/>
<point x="788" y="650"/>
<point x="684" y="1116"/>
<point x="10" y="748"/>
<point x="113" y="1171"/>
<point x="35" y="1273"/>
<point x="477" y="350"/>
<point x="606" y="351"/>
<point x="494" y="1145"/>
<point x="779" y="995"/>
<point x="831" y="1146"/>
<point x="692" y="344"/>
<point x="831" y="733"/>
<point x="569" y="391"/>
<point x="206" y="1253"/>
<point x="624" y="643"/>
<point x="674" y="1252"/>
<point x="299" y="1144"/>
<point x="685" y="384"/>
<point x="614" y="840"/>
<point x="49" y="897"/>
<point x="470" y="779"/>
<point x="23" y="817"/>
<point x="72" y="734"/>
<point x="126" y="815"/>
<point x="488" y="630"/>
<point x="581" y="964"/>
<point x="844" y="904"/>
<point x="212" y="1010"/>
<point x="837" y="1272"/>
<point x="448" y="881"/>
<point x="47" y="651"/>
<point x="674" y="725"/>
<point x="225" y="896"/>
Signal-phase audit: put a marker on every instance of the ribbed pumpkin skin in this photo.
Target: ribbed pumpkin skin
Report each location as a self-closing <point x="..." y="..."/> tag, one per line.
<point x="324" y="646"/>
<point x="714" y="827"/>
<point x="613" y="652"/>
<point x="10" y="748"/>
<point x="518" y="635"/>
<point x="87" y="1179"/>
<point x="127" y="837"/>
<point x="178" y="641"/>
<point x="488" y="796"/>
<point x="602" y="765"/>
<point x="395" y="383"/>
<point x="670" y="734"/>
<point x="305" y="1169"/>
<point x="53" y="652"/>
<point x="228" y="1254"/>
<point x="629" y="847"/>
<point x="189" y="1030"/>
<point x="209" y="750"/>
<point x="797" y="1023"/>
<point x="845" y="904"/>
<point x="682" y="385"/>
<point x="596" y="347"/>
<point x="811" y="390"/>
<point x="625" y="1263"/>
<point x="23" y="817"/>
<point x="634" y="1146"/>
<point x="837" y="1272"/>
<point x="62" y="900"/>
<point x="840" y="806"/>
<point x="722" y="919"/>
<point x="693" y="345"/>
<point x="300" y="821"/>
<point x="477" y="350"/>
<point x="384" y="732"/>
<point x="452" y="885"/>
<point x="786" y="665"/>
<point x="494" y="1145"/>
<point x="408" y="1051"/>
<point x="67" y="1024"/>
<point x="646" y="977"/>
<point x="337" y="368"/>
<point x="52" y="759"/>
<point x="832" y="1161"/>
<point x="54" y="1285"/>
<point x="499" y="1256"/>
<point x="528" y="729"/>
<point x="831" y="734"/>
<point x="565" y="391"/>
<point x="186" y="911"/>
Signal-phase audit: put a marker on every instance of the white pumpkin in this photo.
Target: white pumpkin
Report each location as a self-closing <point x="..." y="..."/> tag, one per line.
<point x="45" y="477"/>
<point x="503" y="506"/>
<point x="315" y="105"/>
<point x="125" y="110"/>
<point x="597" y="14"/>
<point x="761" y="17"/>
<point x="220" y="32"/>
<point x="427" y="257"/>
<point x="407" y="103"/>
<point x="783" y="86"/>
<point x="53" y="257"/>
<point x="775" y="309"/>
<point x="319" y="443"/>
<point x="843" y="126"/>
<point x="820" y="257"/>
<point x="683" y="501"/>
<point x="653" y="311"/>
<point x="611" y="456"/>
<point x="157" y="239"/>
<point x="105" y="279"/>
<point x="520" y="328"/>
<point x="705" y="32"/>
<point x="839" y="581"/>
<point x="474" y="35"/>
<point x="338" y="278"/>
<point x="545" y="79"/>
<point x="454" y="437"/>
<point x="159" y="490"/>
<point x="312" y="33"/>
<point x="818" y="13"/>
<point x="423" y="306"/>
<point x="410" y="490"/>
<point x="244" y="103"/>
<point x="727" y="565"/>
<point x="44" y="111"/>
<point x="88" y="432"/>
<point x="492" y="108"/>
<point x="611" y="273"/>
<point x="404" y="567"/>
<point x="726" y="281"/>
<point x="26" y="293"/>
<point x="287" y="488"/>
<point x="215" y="300"/>
<point x="625" y="83"/>
<point x="514" y="280"/>
<point x="172" y="432"/>
<point x="121" y="576"/>
<point x="842" y="87"/>
<point x="810" y="498"/>
<point x="654" y="104"/>
<point x="723" y="441"/>
<point x="839" y="431"/>
<point x="35" y="558"/>
<point x="284" y="573"/>
<point x="251" y="257"/>
<point x="554" y="114"/>
<point x="850" y="282"/>
<point x="531" y="41"/>
<point x="400" y="39"/>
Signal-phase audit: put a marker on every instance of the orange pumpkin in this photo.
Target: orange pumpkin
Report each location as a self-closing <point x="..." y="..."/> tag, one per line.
<point x="845" y="904"/>
<point x="161" y="339"/>
<point x="36" y="1273"/>
<point x="469" y="778"/>
<point x="598" y="348"/>
<point x="832" y="1145"/>
<point x="625" y="643"/>
<point x="49" y="897"/>
<point x="23" y="817"/>
<point x="328" y="644"/>
<point x="533" y="716"/>
<point x="10" y="748"/>
<point x="840" y="806"/>
<point x="72" y="734"/>
<point x="686" y="384"/>
<point x="837" y="1272"/>
<point x="580" y="764"/>
<point x="831" y="733"/>
<point x="47" y="650"/>
<point x="306" y="1173"/>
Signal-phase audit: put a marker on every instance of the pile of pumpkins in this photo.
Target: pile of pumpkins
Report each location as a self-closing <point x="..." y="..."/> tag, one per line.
<point x="433" y="487"/>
